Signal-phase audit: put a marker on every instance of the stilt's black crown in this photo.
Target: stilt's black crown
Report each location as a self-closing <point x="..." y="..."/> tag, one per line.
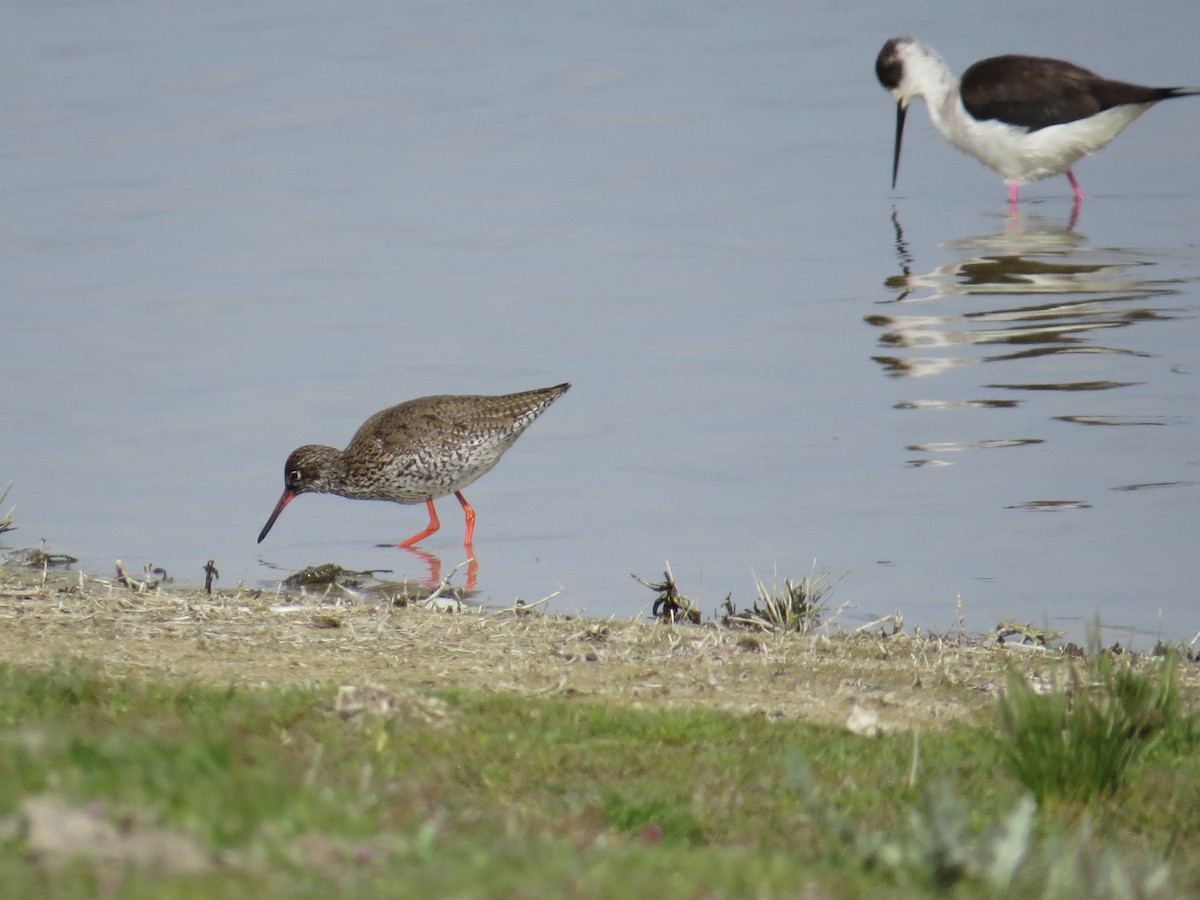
<point x="888" y="66"/>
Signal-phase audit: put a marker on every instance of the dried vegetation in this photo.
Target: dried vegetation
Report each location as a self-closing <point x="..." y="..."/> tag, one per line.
<point x="340" y="636"/>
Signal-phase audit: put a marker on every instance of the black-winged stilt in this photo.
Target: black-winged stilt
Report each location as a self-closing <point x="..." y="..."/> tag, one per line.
<point x="1026" y="117"/>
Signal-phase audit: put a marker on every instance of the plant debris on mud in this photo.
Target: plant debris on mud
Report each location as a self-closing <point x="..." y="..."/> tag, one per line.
<point x="358" y="637"/>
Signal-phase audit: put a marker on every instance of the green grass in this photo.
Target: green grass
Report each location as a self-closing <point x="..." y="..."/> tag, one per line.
<point x="468" y="794"/>
<point x="1080" y="743"/>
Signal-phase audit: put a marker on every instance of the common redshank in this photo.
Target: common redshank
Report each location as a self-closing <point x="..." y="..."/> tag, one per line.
<point x="1026" y="117"/>
<point x="416" y="452"/>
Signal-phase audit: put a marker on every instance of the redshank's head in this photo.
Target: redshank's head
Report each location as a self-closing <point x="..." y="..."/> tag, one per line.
<point x="308" y="470"/>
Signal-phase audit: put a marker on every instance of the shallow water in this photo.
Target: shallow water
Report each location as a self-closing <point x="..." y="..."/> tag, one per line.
<point x="231" y="230"/>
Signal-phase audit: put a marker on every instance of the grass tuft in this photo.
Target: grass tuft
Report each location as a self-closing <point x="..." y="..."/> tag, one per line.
<point x="793" y="607"/>
<point x="6" y="520"/>
<point x="1078" y="744"/>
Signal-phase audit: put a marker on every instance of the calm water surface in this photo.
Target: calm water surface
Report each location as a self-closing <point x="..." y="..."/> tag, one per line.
<point x="228" y="230"/>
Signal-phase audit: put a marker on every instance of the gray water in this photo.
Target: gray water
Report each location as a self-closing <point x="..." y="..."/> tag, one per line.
<point x="230" y="229"/>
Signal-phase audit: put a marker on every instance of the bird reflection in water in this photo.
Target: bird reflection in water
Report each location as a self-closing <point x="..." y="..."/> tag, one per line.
<point x="1035" y="297"/>
<point x="1030" y="259"/>
<point x="433" y="563"/>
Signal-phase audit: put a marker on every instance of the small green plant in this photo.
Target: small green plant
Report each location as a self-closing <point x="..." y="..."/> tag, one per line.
<point x="938" y="846"/>
<point x="941" y="851"/>
<point x="796" y="606"/>
<point x="1078" y="744"/>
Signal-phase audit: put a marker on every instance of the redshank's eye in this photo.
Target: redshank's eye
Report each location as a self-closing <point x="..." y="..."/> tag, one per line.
<point x="293" y="476"/>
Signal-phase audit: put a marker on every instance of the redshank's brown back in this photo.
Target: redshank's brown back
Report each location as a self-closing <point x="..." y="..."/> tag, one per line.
<point x="416" y="452"/>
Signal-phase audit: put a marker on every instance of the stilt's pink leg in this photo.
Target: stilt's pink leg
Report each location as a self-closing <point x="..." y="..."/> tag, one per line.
<point x="1075" y="186"/>
<point x="1012" y="193"/>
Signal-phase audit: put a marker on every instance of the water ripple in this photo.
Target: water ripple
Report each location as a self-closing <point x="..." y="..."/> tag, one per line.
<point x="993" y="304"/>
<point x="1111" y="420"/>
<point x="957" y="446"/>
<point x="1051" y="505"/>
<point x="1150" y="485"/>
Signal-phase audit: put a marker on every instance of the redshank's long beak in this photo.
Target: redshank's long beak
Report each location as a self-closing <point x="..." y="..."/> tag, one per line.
<point x="288" y="497"/>
<point x="901" y="112"/>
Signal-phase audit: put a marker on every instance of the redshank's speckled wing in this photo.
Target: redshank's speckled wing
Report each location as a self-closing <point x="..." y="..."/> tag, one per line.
<point x="432" y="446"/>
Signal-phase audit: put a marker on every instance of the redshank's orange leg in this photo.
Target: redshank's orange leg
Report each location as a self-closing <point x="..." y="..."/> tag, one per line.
<point x="469" y="515"/>
<point x="433" y="526"/>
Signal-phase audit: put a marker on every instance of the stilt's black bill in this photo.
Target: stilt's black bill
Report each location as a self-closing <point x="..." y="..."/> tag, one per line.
<point x="901" y="112"/>
<point x="288" y="497"/>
